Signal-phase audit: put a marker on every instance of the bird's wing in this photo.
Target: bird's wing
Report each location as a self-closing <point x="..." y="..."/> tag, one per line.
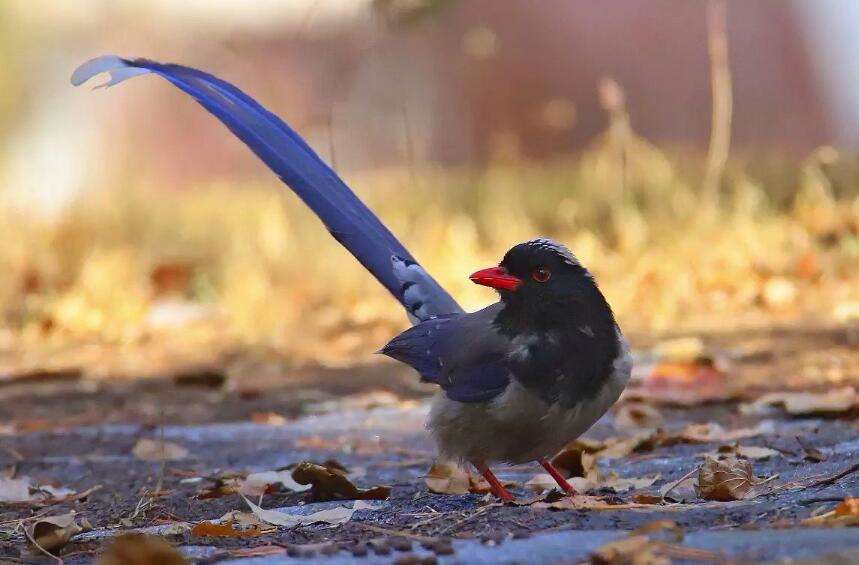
<point x="463" y="354"/>
<point x="288" y="155"/>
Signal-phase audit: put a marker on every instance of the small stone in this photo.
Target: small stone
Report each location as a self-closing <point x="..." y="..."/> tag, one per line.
<point x="408" y="559"/>
<point x="293" y="551"/>
<point x="430" y="560"/>
<point x="521" y="534"/>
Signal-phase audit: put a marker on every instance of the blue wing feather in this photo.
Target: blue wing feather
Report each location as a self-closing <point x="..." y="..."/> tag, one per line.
<point x="296" y="164"/>
<point x="461" y="353"/>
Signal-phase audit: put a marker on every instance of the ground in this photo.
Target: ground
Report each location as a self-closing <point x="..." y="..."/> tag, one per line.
<point x="68" y="431"/>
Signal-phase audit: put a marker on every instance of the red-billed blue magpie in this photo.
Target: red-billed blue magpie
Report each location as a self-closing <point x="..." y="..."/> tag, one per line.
<point x="520" y="378"/>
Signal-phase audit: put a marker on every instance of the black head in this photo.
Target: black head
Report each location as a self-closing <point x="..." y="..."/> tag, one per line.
<point x="543" y="284"/>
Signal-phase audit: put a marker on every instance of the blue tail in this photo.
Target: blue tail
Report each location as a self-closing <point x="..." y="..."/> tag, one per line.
<point x="288" y="155"/>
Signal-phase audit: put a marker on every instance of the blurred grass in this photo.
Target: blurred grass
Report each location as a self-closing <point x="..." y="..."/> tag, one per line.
<point x="219" y="267"/>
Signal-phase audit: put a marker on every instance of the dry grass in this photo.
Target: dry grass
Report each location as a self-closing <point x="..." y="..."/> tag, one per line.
<point x="248" y="266"/>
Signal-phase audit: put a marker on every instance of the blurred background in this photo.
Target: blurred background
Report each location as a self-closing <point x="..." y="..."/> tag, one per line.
<point x="699" y="157"/>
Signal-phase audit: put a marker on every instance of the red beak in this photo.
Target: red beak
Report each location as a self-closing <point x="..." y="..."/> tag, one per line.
<point x="496" y="277"/>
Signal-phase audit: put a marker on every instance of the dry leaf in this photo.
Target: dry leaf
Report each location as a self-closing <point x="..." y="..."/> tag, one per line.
<point x="845" y="514"/>
<point x="257" y="484"/>
<point x="584" y="502"/>
<point x="637" y="415"/>
<point x="268" y="418"/>
<point x="575" y="461"/>
<point x="336" y="515"/>
<point x="330" y="483"/>
<point x="15" y="490"/>
<point x="135" y="549"/>
<point x="449" y="478"/>
<point x="832" y="402"/>
<point x="52" y="533"/>
<point x="544" y="482"/>
<point x="712" y="433"/>
<point x="209" y="529"/>
<point x="633" y="550"/>
<point x="727" y="480"/>
<point x="745" y="452"/>
<point x="620" y="484"/>
<point x="156" y="450"/>
<point x="646" y="498"/>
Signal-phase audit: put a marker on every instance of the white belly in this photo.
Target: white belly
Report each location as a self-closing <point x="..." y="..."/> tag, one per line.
<point x="519" y="426"/>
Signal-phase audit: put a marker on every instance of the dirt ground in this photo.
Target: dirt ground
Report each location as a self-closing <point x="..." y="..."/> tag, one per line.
<point x="67" y="431"/>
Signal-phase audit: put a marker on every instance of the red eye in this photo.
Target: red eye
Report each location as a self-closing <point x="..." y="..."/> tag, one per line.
<point x="541" y="274"/>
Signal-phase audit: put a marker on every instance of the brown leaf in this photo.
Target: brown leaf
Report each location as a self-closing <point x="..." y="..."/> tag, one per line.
<point x="330" y="483"/>
<point x="156" y="450"/>
<point x="448" y="478"/>
<point x="633" y="550"/>
<point x="584" y="502"/>
<point x="637" y="415"/>
<point x="646" y="498"/>
<point x="744" y="452"/>
<point x="135" y="549"/>
<point x="712" y="432"/>
<point x="52" y="533"/>
<point x="575" y="461"/>
<point x="209" y="529"/>
<point x="831" y="402"/>
<point x="268" y="418"/>
<point x="845" y="514"/>
<point x="731" y="479"/>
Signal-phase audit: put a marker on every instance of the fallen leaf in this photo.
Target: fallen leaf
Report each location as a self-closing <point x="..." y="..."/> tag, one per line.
<point x="727" y="480"/>
<point x="449" y="478"/>
<point x="330" y="483"/>
<point x="845" y="514"/>
<point x="575" y="460"/>
<point x="15" y="490"/>
<point x="156" y="450"/>
<point x="632" y="550"/>
<point x="742" y="451"/>
<point x="637" y="415"/>
<point x="268" y="418"/>
<point x="544" y="482"/>
<point x="209" y="529"/>
<point x="585" y="502"/>
<point x="334" y="516"/>
<point x="712" y="433"/>
<point x="832" y="402"/>
<point x="646" y="498"/>
<point x="52" y="533"/>
<point x="257" y="484"/>
<point x="621" y="484"/>
<point x="136" y="549"/>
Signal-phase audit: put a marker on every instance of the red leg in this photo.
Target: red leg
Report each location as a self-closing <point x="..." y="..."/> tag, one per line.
<point x="497" y="488"/>
<point x="562" y="482"/>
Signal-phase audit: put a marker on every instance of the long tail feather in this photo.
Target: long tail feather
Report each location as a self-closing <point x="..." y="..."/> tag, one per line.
<point x="296" y="164"/>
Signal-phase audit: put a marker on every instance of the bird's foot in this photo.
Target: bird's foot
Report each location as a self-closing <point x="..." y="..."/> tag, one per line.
<point x="562" y="482"/>
<point x="497" y="488"/>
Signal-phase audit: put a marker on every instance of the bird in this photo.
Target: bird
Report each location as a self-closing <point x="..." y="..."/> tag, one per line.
<point x="519" y="379"/>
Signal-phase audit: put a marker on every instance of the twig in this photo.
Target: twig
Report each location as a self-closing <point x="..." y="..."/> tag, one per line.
<point x="829" y="480"/>
<point x="400" y="533"/>
<point x="676" y="484"/>
<point x="466" y="519"/>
